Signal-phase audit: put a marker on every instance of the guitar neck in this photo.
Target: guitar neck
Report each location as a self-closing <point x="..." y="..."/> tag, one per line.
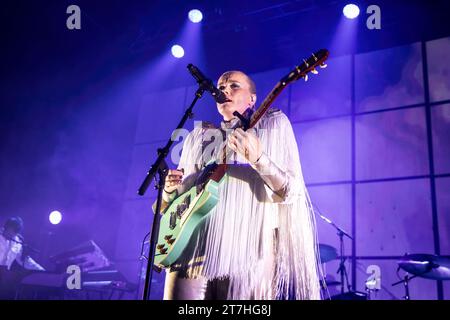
<point x="265" y="105"/>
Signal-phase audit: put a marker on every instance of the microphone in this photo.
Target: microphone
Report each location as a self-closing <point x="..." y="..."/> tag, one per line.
<point x="207" y="84"/>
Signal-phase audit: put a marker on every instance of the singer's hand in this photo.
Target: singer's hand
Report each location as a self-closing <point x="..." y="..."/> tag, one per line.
<point x="173" y="180"/>
<point x="245" y="143"/>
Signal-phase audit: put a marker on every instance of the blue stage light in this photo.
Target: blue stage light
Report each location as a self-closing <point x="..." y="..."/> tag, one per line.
<point x="177" y="51"/>
<point x="195" y="16"/>
<point x="351" y="11"/>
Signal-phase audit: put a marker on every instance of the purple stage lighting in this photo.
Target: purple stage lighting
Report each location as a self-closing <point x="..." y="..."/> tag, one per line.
<point x="351" y="11"/>
<point x="55" y="217"/>
<point x="195" y="16"/>
<point x="177" y="51"/>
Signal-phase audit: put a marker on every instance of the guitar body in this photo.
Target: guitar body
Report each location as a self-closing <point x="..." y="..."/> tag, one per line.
<point x="181" y="219"/>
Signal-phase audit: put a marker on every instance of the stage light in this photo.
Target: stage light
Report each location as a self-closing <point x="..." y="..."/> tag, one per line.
<point x="351" y="11"/>
<point x="177" y="51"/>
<point x="55" y="217"/>
<point x="195" y="16"/>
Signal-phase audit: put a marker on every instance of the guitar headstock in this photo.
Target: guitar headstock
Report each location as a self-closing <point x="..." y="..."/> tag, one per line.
<point x="309" y="65"/>
<point x="317" y="59"/>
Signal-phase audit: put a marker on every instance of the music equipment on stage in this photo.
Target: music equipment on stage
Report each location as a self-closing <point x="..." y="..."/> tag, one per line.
<point x="54" y="284"/>
<point x="94" y="279"/>
<point x="351" y="295"/>
<point x="45" y="279"/>
<point x="426" y="266"/>
<point x="88" y="256"/>
<point x="327" y="253"/>
<point x="328" y="283"/>
<point x="98" y="276"/>
<point x="181" y="218"/>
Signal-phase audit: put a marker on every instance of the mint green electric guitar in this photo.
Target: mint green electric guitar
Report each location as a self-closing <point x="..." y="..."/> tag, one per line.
<point x="182" y="217"/>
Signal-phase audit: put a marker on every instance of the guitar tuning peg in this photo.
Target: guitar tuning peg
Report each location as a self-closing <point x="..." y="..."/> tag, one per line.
<point x="314" y="71"/>
<point x="306" y="63"/>
<point x="305" y="77"/>
<point x="323" y="65"/>
<point x="314" y="56"/>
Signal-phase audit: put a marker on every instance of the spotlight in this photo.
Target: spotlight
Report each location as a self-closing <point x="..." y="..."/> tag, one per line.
<point x="351" y="11"/>
<point x="55" y="217"/>
<point x="195" y="16"/>
<point x="177" y="51"/>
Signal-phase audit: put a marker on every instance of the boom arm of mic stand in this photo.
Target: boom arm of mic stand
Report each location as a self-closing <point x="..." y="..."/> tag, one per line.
<point x="340" y="231"/>
<point x="342" y="271"/>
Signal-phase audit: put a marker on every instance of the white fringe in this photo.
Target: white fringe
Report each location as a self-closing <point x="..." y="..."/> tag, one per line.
<point x="238" y="241"/>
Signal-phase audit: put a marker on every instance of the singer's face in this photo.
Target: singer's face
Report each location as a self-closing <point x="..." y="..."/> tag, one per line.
<point x="236" y="88"/>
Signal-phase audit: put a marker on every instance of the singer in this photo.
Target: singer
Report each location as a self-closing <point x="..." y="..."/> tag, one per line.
<point x="259" y="241"/>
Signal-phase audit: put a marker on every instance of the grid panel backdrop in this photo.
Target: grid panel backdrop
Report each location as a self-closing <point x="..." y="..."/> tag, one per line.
<point x="400" y="198"/>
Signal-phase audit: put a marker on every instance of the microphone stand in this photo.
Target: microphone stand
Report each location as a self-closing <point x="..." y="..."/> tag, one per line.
<point x="407" y="279"/>
<point x="405" y="282"/>
<point x="160" y="168"/>
<point x="342" y="270"/>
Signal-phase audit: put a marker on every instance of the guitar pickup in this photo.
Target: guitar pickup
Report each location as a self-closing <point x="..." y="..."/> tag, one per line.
<point x="187" y="200"/>
<point x="173" y="220"/>
<point x="180" y="210"/>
